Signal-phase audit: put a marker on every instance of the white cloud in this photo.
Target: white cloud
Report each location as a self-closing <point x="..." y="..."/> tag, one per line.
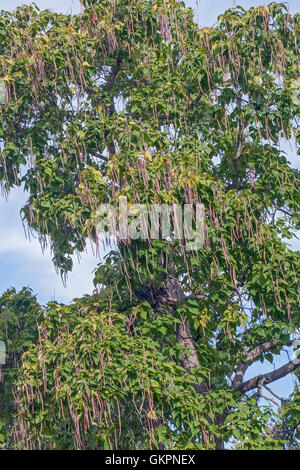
<point x="23" y="263"/>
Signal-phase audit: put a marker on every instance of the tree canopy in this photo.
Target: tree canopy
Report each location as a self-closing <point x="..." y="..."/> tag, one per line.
<point x="132" y="99"/>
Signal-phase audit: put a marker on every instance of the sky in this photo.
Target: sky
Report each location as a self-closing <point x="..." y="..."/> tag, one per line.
<point x="22" y="261"/>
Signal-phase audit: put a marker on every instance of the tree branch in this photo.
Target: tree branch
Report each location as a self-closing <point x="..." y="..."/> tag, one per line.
<point x="194" y="102"/>
<point x="267" y="378"/>
<point x="190" y="106"/>
<point x="272" y="393"/>
<point x="284" y="211"/>
<point x="250" y="357"/>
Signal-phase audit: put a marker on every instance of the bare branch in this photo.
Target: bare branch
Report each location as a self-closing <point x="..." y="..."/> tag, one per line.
<point x="194" y="102"/>
<point x="270" y="399"/>
<point x="99" y="155"/>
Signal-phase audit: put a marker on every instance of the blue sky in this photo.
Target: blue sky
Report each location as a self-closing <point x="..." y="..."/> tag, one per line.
<point x="22" y="261"/>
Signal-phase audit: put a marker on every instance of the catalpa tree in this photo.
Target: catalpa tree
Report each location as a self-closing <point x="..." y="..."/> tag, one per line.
<point x="130" y="99"/>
